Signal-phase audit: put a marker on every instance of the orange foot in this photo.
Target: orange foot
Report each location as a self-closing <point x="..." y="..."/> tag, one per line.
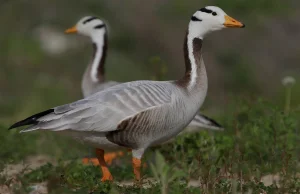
<point x="136" y="163"/>
<point x="107" y="177"/>
<point x="109" y="157"/>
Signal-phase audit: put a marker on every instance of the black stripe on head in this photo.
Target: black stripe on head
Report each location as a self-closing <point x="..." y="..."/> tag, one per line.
<point x="99" y="26"/>
<point x="195" y="19"/>
<point x="205" y="10"/>
<point x="89" y="19"/>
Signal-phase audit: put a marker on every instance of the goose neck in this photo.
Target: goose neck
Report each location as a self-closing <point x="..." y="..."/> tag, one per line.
<point x="97" y="69"/>
<point x="195" y="73"/>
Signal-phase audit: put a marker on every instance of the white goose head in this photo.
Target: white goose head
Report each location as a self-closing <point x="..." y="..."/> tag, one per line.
<point x="210" y="18"/>
<point x="94" y="28"/>
<point x="202" y="22"/>
<point x="90" y="26"/>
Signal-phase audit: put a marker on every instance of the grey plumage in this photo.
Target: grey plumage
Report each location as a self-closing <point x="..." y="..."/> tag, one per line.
<point x="90" y="85"/>
<point x="139" y="114"/>
<point x="120" y="101"/>
<point x="155" y="111"/>
<point x="148" y="103"/>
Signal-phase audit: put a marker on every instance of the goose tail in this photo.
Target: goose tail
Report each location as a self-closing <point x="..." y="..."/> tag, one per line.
<point x="32" y="120"/>
<point x="202" y="121"/>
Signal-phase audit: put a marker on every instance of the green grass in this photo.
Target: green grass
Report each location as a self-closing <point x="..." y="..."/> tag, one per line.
<point x="259" y="140"/>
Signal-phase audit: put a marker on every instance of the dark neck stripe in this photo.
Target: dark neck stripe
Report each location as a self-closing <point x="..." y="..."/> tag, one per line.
<point x="197" y="46"/>
<point x="89" y="19"/>
<point x="101" y="62"/>
<point x="205" y="10"/>
<point x="188" y="65"/>
<point x="99" y="26"/>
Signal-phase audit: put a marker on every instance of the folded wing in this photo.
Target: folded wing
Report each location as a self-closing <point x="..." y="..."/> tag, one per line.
<point x="103" y="111"/>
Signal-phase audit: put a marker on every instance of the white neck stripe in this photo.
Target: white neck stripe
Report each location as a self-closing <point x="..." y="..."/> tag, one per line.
<point x="98" y="39"/>
<point x="192" y="60"/>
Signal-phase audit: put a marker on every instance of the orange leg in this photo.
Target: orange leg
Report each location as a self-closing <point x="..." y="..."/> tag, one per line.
<point x="106" y="175"/>
<point x="108" y="157"/>
<point x="94" y="161"/>
<point x="85" y="160"/>
<point x="136" y="163"/>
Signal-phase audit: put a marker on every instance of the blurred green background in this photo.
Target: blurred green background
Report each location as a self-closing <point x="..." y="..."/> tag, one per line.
<point x="41" y="67"/>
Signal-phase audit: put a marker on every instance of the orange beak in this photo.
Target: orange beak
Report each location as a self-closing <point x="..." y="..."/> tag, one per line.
<point x="71" y="30"/>
<point x="232" y="23"/>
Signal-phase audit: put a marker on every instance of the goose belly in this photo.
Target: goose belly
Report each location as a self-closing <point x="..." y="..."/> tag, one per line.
<point x="94" y="139"/>
<point x="176" y="124"/>
<point x="185" y="113"/>
<point x="168" y="134"/>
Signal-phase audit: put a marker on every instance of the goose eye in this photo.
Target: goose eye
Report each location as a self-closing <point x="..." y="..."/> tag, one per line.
<point x="214" y="13"/>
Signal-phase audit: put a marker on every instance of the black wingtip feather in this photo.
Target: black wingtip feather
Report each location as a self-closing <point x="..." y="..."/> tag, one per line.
<point x="31" y="120"/>
<point x="213" y="121"/>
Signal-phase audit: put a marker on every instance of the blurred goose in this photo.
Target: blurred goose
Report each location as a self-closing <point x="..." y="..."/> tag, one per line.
<point x="139" y="114"/>
<point x="94" y="77"/>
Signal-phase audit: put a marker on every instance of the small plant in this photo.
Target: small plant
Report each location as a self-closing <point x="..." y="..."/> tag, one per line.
<point x="288" y="83"/>
<point x="40" y="174"/>
<point x="163" y="173"/>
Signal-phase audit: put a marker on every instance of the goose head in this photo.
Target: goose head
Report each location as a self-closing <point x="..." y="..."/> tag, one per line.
<point x="209" y="19"/>
<point x="89" y="26"/>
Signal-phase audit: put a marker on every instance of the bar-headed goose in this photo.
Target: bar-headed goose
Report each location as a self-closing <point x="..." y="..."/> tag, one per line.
<point x="94" y="77"/>
<point x="139" y="114"/>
